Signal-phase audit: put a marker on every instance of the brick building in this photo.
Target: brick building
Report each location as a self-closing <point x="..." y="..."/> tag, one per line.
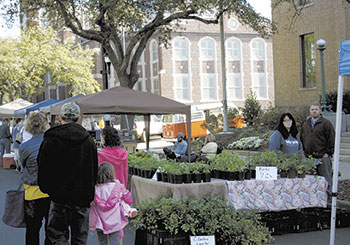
<point x="189" y="70"/>
<point x="296" y="58"/>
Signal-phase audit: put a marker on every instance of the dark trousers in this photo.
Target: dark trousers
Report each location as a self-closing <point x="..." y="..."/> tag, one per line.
<point x="5" y="147"/>
<point x="35" y="212"/>
<point x="325" y="169"/>
<point x="63" y="216"/>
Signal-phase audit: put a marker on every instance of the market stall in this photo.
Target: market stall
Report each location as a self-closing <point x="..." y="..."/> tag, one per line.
<point x="8" y="109"/>
<point x="120" y="100"/>
<point x="25" y="111"/>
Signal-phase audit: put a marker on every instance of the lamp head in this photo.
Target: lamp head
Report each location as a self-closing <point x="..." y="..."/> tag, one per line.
<point x="320" y="43"/>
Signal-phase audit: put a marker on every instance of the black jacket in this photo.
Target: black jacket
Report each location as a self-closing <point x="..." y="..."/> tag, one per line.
<point x="318" y="140"/>
<point x="68" y="165"/>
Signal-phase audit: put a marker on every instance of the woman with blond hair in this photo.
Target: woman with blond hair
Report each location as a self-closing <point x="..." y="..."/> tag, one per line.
<point x="36" y="203"/>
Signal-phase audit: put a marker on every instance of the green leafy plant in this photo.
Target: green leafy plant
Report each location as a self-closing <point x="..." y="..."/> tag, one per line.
<point x="251" y="109"/>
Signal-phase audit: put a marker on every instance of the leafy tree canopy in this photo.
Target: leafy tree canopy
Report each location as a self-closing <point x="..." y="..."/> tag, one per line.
<point x="25" y="60"/>
<point x="104" y="21"/>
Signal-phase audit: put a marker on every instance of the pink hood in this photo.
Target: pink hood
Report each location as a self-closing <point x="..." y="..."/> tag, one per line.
<point x="118" y="157"/>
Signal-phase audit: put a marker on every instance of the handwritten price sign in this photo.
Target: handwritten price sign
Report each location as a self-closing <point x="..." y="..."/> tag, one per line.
<point x="266" y="173"/>
<point x="202" y="240"/>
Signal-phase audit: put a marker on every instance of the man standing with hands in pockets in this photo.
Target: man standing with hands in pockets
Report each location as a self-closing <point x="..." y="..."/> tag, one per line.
<point x="317" y="136"/>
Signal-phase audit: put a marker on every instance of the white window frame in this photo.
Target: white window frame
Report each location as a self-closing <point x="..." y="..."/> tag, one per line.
<point x="177" y="75"/>
<point x="175" y="49"/>
<point x="254" y="86"/>
<point x="229" y="75"/>
<point x="203" y="76"/>
<point x="176" y="88"/>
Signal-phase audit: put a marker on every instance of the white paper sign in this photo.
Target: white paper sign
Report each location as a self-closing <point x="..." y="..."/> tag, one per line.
<point x="266" y="173"/>
<point x="202" y="240"/>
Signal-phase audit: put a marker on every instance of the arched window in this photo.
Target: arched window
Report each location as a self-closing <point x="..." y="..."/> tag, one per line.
<point x="258" y="68"/>
<point x="182" y="78"/>
<point x="208" y="69"/>
<point x="234" y="67"/>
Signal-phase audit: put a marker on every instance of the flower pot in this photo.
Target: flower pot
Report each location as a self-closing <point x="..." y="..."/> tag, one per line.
<point x="231" y="176"/>
<point x="206" y="177"/>
<point x="292" y="173"/>
<point x="196" y="178"/>
<point x="170" y="178"/>
<point x="165" y="177"/>
<point x="147" y="174"/>
<point x="130" y="170"/>
<point x="177" y="178"/>
<point x="222" y="174"/>
<point x="302" y="175"/>
<point x="159" y="176"/>
<point x="283" y="173"/>
<point x="247" y="174"/>
<point x="215" y="174"/>
<point x="186" y="178"/>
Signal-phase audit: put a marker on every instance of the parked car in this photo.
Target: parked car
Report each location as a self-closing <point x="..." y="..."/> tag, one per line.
<point x="156" y="126"/>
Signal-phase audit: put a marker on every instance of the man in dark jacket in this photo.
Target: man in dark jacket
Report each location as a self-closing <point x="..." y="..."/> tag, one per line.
<point x="67" y="172"/>
<point x="317" y="136"/>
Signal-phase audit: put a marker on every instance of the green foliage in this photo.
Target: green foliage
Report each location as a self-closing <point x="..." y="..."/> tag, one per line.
<point x="104" y="21"/>
<point x="251" y="109"/>
<point x="208" y="216"/>
<point x="269" y="118"/>
<point x="332" y="98"/>
<point x="228" y="162"/>
<point x="26" y="60"/>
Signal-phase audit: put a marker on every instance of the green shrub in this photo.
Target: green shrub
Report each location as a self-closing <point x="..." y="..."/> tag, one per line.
<point x="251" y="109"/>
<point x="208" y="216"/>
<point x="332" y="98"/>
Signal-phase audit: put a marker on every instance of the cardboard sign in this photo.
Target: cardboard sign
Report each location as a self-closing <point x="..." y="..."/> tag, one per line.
<point x="266" y="173"/>
<point x="202" y="240"/>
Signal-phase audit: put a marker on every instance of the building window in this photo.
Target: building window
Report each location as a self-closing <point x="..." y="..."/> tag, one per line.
<point x="141" y="83"/>
<point x="233" y="49"/>
<point x="209" y="86"/>
<point x="182" y="67"/>
<point x="308" y="60"/>
<point x="233" y="24"/>
<point x="259" y="85"/>
<point x="258" y="68"/>
<point x="304" y="2"/>
<point x="208" y="69"/>
<point x="258" y="49"/>
<point x="180" y="48"/>
<point x="182" y="87"/>
<point x="154" y="66"/>
<point x="207" y="49"/>
<point x="234" y="87"/>
<point x="234" y="76"/>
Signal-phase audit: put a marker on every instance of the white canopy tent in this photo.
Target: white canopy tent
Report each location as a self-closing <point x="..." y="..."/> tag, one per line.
<point x="8" y="110"/>
<point x="344" y="70"/>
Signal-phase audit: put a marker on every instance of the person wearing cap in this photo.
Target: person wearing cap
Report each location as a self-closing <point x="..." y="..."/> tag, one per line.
<point x="178" y="149"/>
<point x="67" y="163"/>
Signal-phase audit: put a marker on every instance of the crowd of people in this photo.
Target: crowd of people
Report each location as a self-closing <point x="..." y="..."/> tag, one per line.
<point x="69" y="185"/>
<point x="74" y="188"/>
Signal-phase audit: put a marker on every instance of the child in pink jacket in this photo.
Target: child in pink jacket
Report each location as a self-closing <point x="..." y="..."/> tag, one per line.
<point x="108" y="210"/>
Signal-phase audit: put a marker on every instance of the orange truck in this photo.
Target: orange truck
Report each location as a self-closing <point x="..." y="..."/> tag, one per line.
<point x="174" y="124"/>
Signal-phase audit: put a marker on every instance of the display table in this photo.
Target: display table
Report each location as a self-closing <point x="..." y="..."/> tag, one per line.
<point x="277" y="195"/>
<point x="143" y="189"/>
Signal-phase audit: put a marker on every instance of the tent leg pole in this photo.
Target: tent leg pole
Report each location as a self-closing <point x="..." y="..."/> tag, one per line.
<point x="336" y="157"/>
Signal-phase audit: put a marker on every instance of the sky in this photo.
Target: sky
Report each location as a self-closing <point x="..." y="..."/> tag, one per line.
<point x="261" y="6"/>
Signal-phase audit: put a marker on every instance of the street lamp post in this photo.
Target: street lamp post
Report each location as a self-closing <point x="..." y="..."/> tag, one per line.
<point x="321" y="47"/>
